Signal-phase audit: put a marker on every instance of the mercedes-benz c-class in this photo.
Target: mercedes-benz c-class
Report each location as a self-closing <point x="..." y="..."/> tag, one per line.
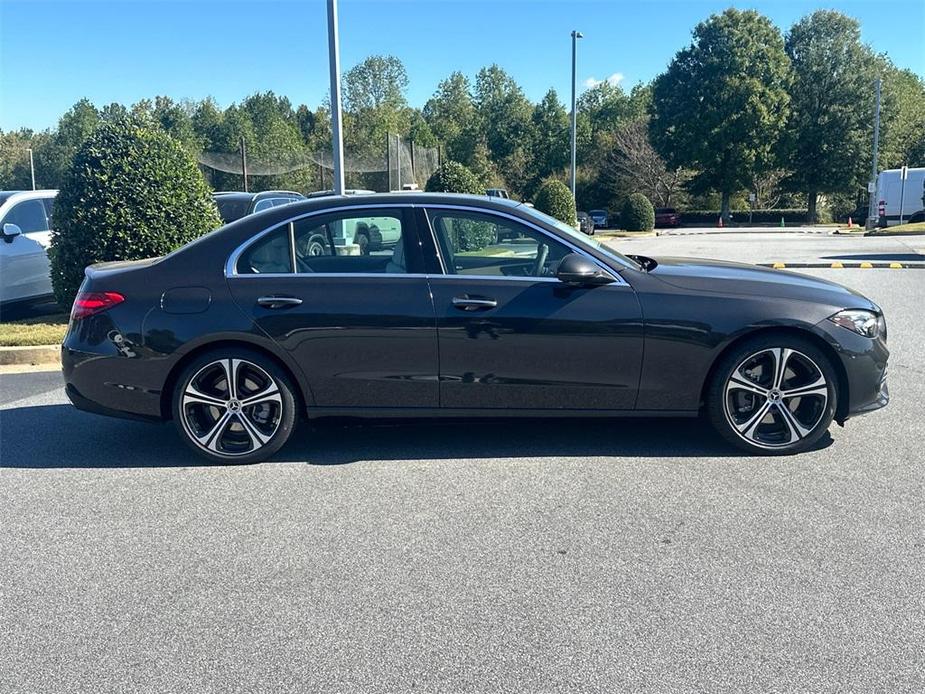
<point x="481" y="308"/>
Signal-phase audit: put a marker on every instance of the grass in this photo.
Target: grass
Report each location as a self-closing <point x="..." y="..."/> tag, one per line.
<point x="29" y="332"/>
<point x="917" y="228"/>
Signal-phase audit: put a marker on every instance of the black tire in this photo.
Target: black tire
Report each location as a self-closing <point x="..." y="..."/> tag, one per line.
<point x="734" y="405"/>
<point x="250" y="433"/>
<point x="362" y="240"/>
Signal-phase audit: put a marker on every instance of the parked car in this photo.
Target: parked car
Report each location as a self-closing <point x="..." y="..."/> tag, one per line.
<point x="497" y="193"/>
<point x="233" y="205"/>
<point x="601" y="218"/>
<point x="585" y="223"/>
<point x="25" y="225"/>
<point x="893" y="192"/>
<point x="667" y="217"/>
<point x="566" y="326"/>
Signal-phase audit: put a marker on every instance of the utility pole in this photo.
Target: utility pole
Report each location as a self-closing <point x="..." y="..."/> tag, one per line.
<point x="244" y="163"/>
<point x="337" y="136"/>
<point x="575" y="36"/>
<point x="872" y="217"/>
<point x="32" y="168"/>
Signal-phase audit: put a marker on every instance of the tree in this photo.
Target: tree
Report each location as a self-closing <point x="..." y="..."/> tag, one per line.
<point x="721" y="105"/>
<point x="826" y="140"/>
<point x="903" y="117"/>
<point x="374" y="95"/>
<point x="54" y="157"/>
<point x="503" y="112"/>
<point x="14" y="157"/>
<point x="635" y="166"/>
<point x="550" y="133"/>
<point x="555" y="199"/>
<point x="132" y="192"/>
<point x="450" y="113"/>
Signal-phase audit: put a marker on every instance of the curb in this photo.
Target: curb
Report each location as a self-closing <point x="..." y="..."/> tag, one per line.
<point x="847" y="266"/>
<point x="41" y="354"/>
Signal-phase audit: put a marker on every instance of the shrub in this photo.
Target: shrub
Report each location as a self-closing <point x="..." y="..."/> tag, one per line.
<point x="131" y="192"/>
<point x="453" y="177"/>
<point x="555" y="199"/>
<point x="638" y="213"/>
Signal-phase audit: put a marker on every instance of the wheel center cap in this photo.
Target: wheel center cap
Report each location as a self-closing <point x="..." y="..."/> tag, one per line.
<point x="774" y="395"/>
<point x="234" y="405"/>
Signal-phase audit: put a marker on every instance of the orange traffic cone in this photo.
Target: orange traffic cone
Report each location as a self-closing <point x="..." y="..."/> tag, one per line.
<point x="850" y="223"/>
<point x="720" y="225"/>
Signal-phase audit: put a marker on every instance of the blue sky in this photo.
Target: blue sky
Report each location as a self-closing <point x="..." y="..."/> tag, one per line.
<point x="54" y="53"/>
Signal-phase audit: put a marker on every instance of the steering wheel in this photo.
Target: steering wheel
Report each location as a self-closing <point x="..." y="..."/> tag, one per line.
<point x="542" y="252"/>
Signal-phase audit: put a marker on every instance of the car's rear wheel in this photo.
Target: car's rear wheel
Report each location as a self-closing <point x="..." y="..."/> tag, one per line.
<point x="773" y="395"/>
<point x="234" y="406"/>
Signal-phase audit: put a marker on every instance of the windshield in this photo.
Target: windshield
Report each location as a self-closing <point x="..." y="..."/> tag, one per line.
<point x="231" y="208"/>
<point x="580" y="239"/>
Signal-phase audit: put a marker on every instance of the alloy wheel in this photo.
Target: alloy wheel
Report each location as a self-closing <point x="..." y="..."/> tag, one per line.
<point x="231" y="407"/>
<point x="775" y="398"/>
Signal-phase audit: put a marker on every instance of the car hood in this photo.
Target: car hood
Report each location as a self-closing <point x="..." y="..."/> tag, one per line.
<point x="723" y="277"/>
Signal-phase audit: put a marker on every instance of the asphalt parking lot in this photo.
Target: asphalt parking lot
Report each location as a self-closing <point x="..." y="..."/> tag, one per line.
<point x="524" y="556"/>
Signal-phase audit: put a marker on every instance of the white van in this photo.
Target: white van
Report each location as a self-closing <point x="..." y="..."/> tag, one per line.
<point x="25" y="235"/>
<point x="890" y="190"/>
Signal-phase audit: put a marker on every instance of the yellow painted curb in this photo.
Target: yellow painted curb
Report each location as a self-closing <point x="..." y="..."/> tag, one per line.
<point x="778" y="266"/>
<point x="896" y="266"/>
<point x="865" y="265"/>
<point x="835" y="266"/>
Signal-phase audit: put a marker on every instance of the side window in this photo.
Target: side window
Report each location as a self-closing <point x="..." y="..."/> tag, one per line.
<point x="341" y="245"/>
<point x="269" y="255"/>
<point x="483" y="244"/>
<point x="28" y="215"/>
<point x="355" y="244"/>
<point x="264" y="204"/>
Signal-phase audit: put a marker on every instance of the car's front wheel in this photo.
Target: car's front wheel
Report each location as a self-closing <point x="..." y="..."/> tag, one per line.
<point x="773" y="395"/>
<point x="234" y="406"/>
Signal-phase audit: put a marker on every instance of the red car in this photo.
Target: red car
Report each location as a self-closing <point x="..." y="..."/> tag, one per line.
<point x="667" y="217"/>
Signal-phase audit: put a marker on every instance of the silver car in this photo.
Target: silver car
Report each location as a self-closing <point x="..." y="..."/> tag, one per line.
<point x="25" y="225"/>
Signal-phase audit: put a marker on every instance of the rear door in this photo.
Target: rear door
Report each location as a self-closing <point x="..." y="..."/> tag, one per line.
<point x="512" y="336"/>
<point x="361" y="326"/>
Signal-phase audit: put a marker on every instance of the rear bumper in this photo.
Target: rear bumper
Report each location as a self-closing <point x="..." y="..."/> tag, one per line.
<point x="87" y="405"/>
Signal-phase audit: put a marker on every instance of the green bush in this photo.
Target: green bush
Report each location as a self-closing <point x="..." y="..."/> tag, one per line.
<point x="638" y="213"/>
<point x="453" y="177"/>
<point x="555" y="199"/>
<point x="131" y="192"/>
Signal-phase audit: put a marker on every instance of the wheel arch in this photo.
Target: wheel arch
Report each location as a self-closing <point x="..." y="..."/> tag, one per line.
<point x="841" y="412"/>
<point x="174" y="374"/>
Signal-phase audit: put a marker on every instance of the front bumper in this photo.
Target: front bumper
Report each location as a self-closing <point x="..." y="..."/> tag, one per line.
<point x="864" y="367"/>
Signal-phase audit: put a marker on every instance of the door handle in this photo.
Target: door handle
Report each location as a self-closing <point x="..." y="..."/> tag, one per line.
<point x="467" y="303"/>
<point x="278" y="301"/>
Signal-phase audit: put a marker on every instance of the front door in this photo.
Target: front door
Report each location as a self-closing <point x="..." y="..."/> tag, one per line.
<point x="360" y="322"/>
<point x="513" y="336"/>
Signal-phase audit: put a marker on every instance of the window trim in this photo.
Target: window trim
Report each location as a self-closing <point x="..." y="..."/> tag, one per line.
<point x="231" y="265"/>
<point x="232" y="262"/>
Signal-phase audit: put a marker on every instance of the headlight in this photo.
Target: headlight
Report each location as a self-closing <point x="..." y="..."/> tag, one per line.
<point x="866" y="323"/>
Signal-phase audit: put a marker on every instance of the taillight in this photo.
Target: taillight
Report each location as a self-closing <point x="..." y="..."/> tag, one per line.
<point x="89" y="303"/>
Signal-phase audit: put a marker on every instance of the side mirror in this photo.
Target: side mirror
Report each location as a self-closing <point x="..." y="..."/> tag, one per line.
<point x="577" y="270"/>
<point x="10" y="232"/>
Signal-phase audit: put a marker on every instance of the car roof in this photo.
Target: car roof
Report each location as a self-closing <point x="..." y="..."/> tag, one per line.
<point x="241" y="195"/>
<point x="18" y="195"/>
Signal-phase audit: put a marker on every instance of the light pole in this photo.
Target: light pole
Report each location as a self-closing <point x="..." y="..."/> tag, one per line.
<point x="872" y="216"/>
<point x="334" y="65"/>
<point x="575" y="36"/>
<point x="32" y="168"/>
